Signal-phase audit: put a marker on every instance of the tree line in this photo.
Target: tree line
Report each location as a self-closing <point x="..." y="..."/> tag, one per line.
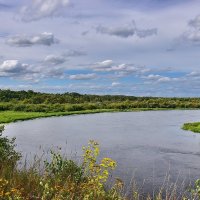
<point x="45" y="102"/>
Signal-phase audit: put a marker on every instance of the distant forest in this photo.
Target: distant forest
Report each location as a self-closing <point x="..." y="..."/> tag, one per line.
<point x="45" y="102"/>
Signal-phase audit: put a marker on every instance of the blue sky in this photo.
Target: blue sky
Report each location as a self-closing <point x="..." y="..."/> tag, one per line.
<point x="130" y="47"/>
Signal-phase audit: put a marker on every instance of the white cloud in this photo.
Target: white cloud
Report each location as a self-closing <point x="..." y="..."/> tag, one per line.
<point x="115" y="84"/>
<point x="194" y="74"/>
<point x="44" y="71"/>
<point x="12" y="67"/>
<point x="120" y="69"/>
<point x="105" y="63"/>
<point x="83" y="76"/>
<point x="45" y="38"/>
<point x="54" y="59"/>
<point x="165" y="79"/>
<point x="39" y="9"/>
<point x="28" y="72"/>
<point x="153" y="77"/>
<point x="160" y="79"/>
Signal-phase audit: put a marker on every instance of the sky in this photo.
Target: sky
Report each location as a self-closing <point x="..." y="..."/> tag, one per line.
<point x="127" y="47"/>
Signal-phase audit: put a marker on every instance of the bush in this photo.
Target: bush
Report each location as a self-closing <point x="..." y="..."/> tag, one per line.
<point x="7" y="150"/>
<point x="62" y="179"/>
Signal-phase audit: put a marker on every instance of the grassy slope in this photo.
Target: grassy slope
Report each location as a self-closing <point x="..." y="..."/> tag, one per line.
<point x="195" y="127"/>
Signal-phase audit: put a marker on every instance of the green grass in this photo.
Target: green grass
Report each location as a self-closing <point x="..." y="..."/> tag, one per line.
<point x="194" y="127"/>
<point x="13" y="116"/>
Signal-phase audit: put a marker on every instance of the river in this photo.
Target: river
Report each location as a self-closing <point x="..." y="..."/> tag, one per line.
<point x="146" y="145"/>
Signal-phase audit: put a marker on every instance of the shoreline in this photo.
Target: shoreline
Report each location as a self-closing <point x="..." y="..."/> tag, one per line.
<point x="7" y="117"/>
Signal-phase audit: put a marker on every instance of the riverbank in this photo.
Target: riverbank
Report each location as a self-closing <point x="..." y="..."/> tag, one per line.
<point x="14" y="116"/>
<point x="194" y="127"/>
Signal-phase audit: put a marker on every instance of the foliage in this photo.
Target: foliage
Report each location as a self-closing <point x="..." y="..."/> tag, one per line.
<point x="22" y="105"/>
<point x="29" y="101"/>
<point x="195" y="127"/>
<point x="8" y="154"/>
<point x="62" y="178"/>
<point x="196" y="190"/>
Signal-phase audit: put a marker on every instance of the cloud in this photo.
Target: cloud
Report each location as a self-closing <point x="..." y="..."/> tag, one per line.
<point x="45" y="38"/>
<point x="83" y="76"/>
<point x="120" y="69"/>
<point x="104" y="65"/>
<point x="54" y="60"/>
<point x="123" y="32"/>
<point x="126" y="31"/>
<point x="146" y="32"/>
<point x="12" y="67"/>
<point x="194" y="74"/>
<point x="60" y="59"/>
<point x="195" y="23"/>
<point x="39" y="9"/>
<point x="74" y="53"/>
<point x="153" y="77"/>
<point x="29" y="72"/>
<point x="166" y="79"/>
<point x="115" y="84"/>
<point x="192" y="35"/>
<point x="160" y="79"/>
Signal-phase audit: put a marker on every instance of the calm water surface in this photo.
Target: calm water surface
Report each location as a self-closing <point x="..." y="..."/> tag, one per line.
<point x="146" y="145"/>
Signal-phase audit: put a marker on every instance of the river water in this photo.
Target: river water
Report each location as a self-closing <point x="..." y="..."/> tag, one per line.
<point x="146" y="145"/>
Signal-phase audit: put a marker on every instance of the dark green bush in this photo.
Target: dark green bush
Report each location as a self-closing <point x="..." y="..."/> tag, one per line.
<point x="8" y="153"/>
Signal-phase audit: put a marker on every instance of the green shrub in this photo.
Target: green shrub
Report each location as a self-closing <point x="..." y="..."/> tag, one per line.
<point x="7" y="150"/>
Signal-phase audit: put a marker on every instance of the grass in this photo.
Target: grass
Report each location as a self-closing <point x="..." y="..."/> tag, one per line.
<point x="194" y="127"/>
<point x="13" y="116"/>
